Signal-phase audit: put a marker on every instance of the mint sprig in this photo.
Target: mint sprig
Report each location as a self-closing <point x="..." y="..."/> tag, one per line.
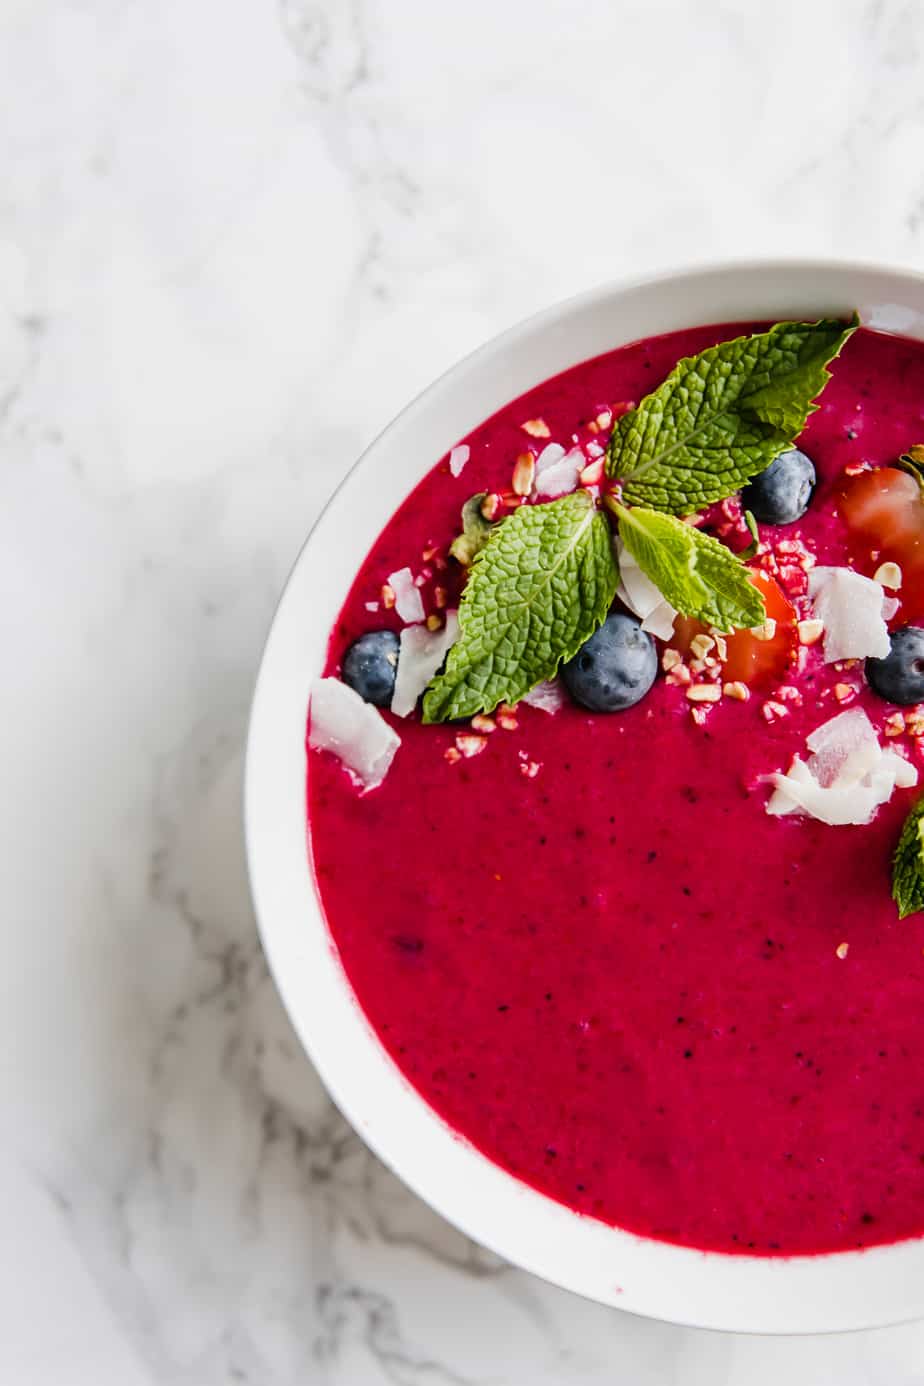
<point x="539" y="588"/>
<point x="908" y="864"/>
<point x="722" y="416"/>
<point x="698" y="576"/>
<point x="542" y="580"/>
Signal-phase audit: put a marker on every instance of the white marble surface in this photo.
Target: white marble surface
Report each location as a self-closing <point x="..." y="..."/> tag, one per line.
<point x="234" y="238"/>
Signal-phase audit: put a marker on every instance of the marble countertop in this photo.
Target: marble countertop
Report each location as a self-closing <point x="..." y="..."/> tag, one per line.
<point x="234" y="239"/>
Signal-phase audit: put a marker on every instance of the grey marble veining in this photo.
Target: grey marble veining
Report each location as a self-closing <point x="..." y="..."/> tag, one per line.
<point x="234" y="239"/>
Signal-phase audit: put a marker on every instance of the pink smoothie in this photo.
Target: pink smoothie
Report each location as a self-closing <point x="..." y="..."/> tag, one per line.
<point x="616" y="975"/>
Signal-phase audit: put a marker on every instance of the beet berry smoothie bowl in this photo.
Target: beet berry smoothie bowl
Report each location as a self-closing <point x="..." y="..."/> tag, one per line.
<point x="585" y="796"/>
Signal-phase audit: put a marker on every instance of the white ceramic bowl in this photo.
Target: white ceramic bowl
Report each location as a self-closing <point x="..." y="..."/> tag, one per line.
<point x="801" y="1294"/>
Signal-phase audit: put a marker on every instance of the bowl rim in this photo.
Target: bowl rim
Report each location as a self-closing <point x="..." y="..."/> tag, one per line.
<point x="803" y="1294"/>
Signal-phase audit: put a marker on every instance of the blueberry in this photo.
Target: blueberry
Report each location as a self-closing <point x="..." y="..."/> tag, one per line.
<point x="614" y="668"/>
<point x="899" y="677"/>
<point x="370" y="665"/>
<point x="782" y="493"/>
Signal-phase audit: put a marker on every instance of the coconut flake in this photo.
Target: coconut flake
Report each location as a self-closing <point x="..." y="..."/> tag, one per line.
<point x="559" y="477"/>
<point x="420" y="654"/>
<point x="637" y="591"/>
<point x="355" y="731"/>
<point x="458" y="458"/>
<point x="547" y="695"/>
<point x="846" y="778"/>
<point x="550" y="454"/>
<point x="408" y="601"/>
<point x="854" y="610"/>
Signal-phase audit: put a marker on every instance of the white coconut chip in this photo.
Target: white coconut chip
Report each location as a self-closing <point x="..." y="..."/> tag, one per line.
<point x="408" y="601"/>
<point x="846" y="778"/>
<point x="458" y="458"/>
<point x="559" y="477"/>
<point x="355" y="731"/>
<point x="550" y="454"/>
<point x="547" y="696"/>
<point x="854" y="610"/>
<point x="637" y="591"/>
<point x="420" y="654"/>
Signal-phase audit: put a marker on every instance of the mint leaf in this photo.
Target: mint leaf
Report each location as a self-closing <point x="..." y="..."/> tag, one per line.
<point x="539" y="588"/>
<point x="476" y="530"/>
<point x="694" y="572"/>
<point x="908" y="864"/>
<point x="723" y="416"/>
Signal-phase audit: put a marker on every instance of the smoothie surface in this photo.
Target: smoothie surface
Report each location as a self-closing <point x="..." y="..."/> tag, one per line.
<point x="589" y="947"/>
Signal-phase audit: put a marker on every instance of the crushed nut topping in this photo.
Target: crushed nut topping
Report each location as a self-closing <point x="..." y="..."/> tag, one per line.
<point x="842" y="950"/>
<point x="737" y="690"/>
<point x="524" y="473"/>
<point x="894" y="725"/>
<point x="810" y="632"/>
<point x="434" y="622"/>
<point x="773" y="711"/>
<point x="844" y="692"/>
<point x="700" y="645"/>
<point x="766" y="631"/>
<point x="388" y="596"/>
<point x="470" y="745"/>
<point x="536" y="428"/>
<point x="669" y="660"/>
<point x="704" y="693"/>
<point x="889" y="575"/>
<point x="483" y="723"/>
<point x="491" y="506"/>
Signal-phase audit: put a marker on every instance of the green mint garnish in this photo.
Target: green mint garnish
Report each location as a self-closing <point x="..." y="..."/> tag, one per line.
<point x="476" y="530"/>
<point x="722" y="416"/>
<point x="908" y="864"/>
<point x="754" y="532"/>
<point x="542" y="580"/>
<point x="539" y="588"/>
<point x="695" y="573"/>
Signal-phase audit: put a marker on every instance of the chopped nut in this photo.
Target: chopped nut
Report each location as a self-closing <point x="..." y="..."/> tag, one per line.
<point x="680" y="674"/>
<point x="430" y="553"/>
<point x="699" y="715"/>
<point x="529" y="768"/>
<point x="524" y="472"/>
<point x="914" y="723"/>
<point x="592" y="474"/>
<point x="506" y="721"/>
<point x="894" y="725"/>
<point x="704" y="693"/>
<point x="766" y="631"/>
<point x="844" y="692"/>
<point x="810" y="632"/>
<point x="536" y="428"/>
<point x="452" y="755"/>
<point x="890" y="575"/>
<point x="604" y="419"/>
<point x="773" y="711"/>
<point x="790" y="694"/>
<point x="842" y="950"/>
<point x="737" y="690"/>
<point x="721" y="648"/>
<point x="388" y="596"/>
<point x="470" y="745"/>
<point x="491" y="505"/>
<point x="481" y="723"/>
<point x="434" y="622"/>
<point x="670" y="659"/>
<point x="855" y="468"/>
<point x="420" y="580"/>
<point x="439" y="598"/>
<point x="700" y="645"/>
